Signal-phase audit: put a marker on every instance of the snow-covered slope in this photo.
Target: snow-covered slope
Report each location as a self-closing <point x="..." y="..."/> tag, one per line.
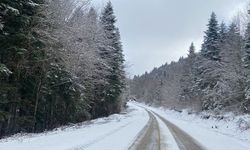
<point x="116" y="132"/>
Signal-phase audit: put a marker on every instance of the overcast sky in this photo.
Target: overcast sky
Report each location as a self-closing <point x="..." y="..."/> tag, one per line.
<point x="158" y="31"/>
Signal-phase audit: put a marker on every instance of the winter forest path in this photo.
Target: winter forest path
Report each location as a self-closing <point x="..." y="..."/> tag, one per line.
<point x="155" y="137"/>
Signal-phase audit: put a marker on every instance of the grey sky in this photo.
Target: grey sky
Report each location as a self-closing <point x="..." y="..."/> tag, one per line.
<point x="158" y="31"/>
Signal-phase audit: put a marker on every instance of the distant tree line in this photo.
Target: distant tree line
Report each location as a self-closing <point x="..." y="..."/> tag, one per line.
<point x="60" y="62"/>
<point x="215" y="79"/>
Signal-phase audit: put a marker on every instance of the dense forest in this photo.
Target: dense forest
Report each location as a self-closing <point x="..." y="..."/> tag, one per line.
<point x="215" y="79"/>
<point x="61" y="62"/>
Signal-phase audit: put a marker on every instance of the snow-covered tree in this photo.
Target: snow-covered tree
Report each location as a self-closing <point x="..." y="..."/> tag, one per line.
<point x="191" y="51"/>
<point x="210" y="83"/>
<point x="212" y="79"/>
<point x="246" y="60"/>
<point x="233" y="71"/>
<point x="52" y="71"/>
<point x="112" y="52"/>
<point x="210" y="47"/>
<point x="188" y="77"/>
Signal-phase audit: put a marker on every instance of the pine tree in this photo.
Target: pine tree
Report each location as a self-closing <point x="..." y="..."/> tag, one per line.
<point x="187" y="79"/>
<point x="191" y="51"/>
<point x="56" y="67"/>
<point x="112" y="52"/>
<point x="233" y="71"/>
<point x="246" y="60"/>
<point x="16" y="47"/>
<point x="222" y="33"/>
<point x="247" y="48"/>
<point x="213" y="81"/>
<point x="208" y="82"/>
<point x="210" y="47"/>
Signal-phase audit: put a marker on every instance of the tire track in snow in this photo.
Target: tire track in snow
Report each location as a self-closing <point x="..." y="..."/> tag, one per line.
<point x="149" y="137"/>
<point x="184" y="140"/>
<point x="85" y="146"/>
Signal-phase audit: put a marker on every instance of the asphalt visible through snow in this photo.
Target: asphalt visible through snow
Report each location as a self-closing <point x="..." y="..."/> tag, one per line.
<point x="184" y="140"/>
<point x="150" y="137"/>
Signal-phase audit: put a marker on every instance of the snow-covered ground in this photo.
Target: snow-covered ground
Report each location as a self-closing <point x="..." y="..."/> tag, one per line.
<point x="116" y="132"/>
<point x="119" y="132"/>
<point x="213" y="133"/>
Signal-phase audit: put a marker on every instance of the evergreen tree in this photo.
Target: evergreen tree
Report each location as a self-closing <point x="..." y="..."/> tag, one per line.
<point x="187" y="79"/>
<point x="56" y="67"/>
<point x="246" y="59"/>
<point x="208" y="82"/>
<point x="17" y="46"/>
<point x="247" y="48"/>
<point x="210" y="47"/>
<point x="112" y="52"/>
<point x="212" y="79"/>
<point x="191" y="51"/>
<point x="233" y="71"/>
<point x="222" y="33"/>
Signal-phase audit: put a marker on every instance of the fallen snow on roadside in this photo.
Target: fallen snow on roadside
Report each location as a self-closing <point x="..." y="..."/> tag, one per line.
<point x="116" y="132"/>
<point x="213" y="133"/>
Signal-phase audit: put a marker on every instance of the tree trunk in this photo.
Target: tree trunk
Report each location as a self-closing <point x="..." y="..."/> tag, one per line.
<point x="36" y="105"/>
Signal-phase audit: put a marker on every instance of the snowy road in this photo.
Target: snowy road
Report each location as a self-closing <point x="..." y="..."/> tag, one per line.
<point x="153" y="136"/>
<point x="226" y="136"/>
<point x="139" y="128"/>
<point x="149" y="138"/>
<point x="184" y="140"/>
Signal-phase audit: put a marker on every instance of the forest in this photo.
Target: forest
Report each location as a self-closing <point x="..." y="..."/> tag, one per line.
<point x="61" y="62"/>
<point x="214" y="79"/>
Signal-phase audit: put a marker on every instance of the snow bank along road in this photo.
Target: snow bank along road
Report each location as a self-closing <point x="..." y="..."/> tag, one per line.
<point x="116" y="132"/>
<point x="140" y="128"/>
